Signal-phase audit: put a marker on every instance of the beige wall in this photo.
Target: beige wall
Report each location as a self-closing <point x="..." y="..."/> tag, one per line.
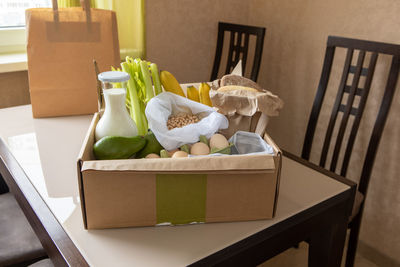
<point x="293" y="54"/>
<point x="181" y="37"/>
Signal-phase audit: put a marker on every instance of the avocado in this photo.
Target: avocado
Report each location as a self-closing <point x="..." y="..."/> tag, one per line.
<point x="118" y="147"/>
<point x="152" y="146"/>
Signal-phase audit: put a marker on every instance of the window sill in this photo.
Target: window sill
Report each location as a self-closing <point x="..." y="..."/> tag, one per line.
<point x="13" y="62"/>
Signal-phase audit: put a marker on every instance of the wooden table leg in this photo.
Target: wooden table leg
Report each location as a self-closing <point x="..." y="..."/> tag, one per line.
<point x="326" y="245"/>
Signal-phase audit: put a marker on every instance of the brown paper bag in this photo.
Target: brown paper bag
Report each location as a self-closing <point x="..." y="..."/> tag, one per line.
<point x="246" y="110"/>
<point x="61" y="46"/>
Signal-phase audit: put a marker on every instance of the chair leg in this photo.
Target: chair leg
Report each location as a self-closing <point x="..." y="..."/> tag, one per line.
<point x="353" y="241"/>
<point x="3" y="186"/>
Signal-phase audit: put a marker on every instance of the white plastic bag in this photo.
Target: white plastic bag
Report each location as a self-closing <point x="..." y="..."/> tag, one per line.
<point x="159" y="109"/>
<point x="250" y="143"/>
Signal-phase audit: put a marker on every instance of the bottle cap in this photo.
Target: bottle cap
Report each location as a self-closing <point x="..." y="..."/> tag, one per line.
<point x="113" y="76"/>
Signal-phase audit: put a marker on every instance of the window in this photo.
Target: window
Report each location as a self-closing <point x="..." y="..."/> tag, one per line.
<point x="12" y="23"/>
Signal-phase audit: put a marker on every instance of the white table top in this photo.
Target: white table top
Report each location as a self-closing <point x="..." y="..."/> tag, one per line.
<point x="47" y="150"/>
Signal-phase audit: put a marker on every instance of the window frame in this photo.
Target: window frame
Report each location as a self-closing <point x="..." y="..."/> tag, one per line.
<point x="12" y="40"/>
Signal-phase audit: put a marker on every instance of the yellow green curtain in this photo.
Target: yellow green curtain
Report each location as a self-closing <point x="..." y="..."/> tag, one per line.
<point x="131" y="23"/>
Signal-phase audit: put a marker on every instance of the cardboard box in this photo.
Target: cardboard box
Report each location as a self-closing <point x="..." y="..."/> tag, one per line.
<point x="144" y="192"/>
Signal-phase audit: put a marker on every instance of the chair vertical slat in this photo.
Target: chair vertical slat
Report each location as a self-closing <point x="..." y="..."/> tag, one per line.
<point x="218" y="53"/>
<point x="336" y="106"/>
<point x="346" y="115"/>
<point x="230" y="53"/>
<point x="312" y="121"/>
<point x="379" y="124"/>
<point x="360" y="111"/>
<point x="245" y="50"/>
<point x="258" y="51"/>
<point x="237" y="48"/>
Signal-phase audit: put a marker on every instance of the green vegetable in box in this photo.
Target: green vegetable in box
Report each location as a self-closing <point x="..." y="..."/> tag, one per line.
<point x="140" y="89"/>
<point x="118" y="147"/>
<point x="152" y="146"/>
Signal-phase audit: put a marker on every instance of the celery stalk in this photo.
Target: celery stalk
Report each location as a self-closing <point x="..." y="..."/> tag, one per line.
<point x="137" y="77"/>
<point x="136" y="111"/>
<point x="156" y="78"/>
<point x="140" y="89"/>
<point x="149" y="94"/>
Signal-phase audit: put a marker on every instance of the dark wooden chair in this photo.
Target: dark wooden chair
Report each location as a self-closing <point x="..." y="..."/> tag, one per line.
<point x="238" y="48"/>
<point x="19" y="246"/>
<point x="352" y="89"/>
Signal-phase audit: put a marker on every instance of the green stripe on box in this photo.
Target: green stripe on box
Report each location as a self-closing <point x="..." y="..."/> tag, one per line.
<point x="181" y="198"/>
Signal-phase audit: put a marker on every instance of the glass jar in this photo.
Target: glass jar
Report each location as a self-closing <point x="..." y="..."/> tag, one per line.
<point x="115" y="120"/>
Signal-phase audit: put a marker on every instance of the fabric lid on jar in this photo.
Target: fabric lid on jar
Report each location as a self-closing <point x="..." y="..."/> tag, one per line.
<point x="113" y="76"/>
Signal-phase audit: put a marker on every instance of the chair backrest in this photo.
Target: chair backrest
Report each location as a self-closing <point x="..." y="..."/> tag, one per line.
<point x="238" y="48"/>
<point x="353" y="90"/>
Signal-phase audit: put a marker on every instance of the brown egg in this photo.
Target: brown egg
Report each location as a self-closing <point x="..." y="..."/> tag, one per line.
<point x="200" y="149"/>
<point x="170" y="153"/>
<point x="152" y="156"/>
<point x="218" y="141"/>
<point x="180" y="154"/>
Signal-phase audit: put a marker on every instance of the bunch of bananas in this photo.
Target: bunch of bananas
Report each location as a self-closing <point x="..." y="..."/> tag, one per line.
<point x="170" y="84"/>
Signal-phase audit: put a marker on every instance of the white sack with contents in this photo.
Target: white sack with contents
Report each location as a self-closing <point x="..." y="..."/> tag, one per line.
<point x="161" y="107"/>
